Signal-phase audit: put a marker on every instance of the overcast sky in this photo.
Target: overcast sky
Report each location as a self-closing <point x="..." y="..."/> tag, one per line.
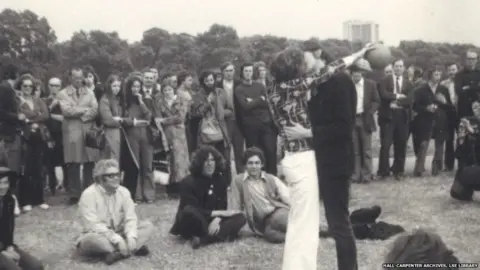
<point x="429" y="20"/>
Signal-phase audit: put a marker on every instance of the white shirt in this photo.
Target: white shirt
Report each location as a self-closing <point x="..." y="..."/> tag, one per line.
<point x="450" y="84"/>
<point x="400" y="84"/>
<point x="360" y="94"/>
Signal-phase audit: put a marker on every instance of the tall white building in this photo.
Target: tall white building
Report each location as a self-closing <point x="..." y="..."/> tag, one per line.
<point x="364" y="31"/>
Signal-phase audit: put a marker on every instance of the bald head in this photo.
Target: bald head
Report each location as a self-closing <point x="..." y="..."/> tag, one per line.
<point x="54" y="85"/>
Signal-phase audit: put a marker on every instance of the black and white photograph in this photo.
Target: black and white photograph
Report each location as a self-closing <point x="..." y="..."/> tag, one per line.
<point x="239" y="135"/>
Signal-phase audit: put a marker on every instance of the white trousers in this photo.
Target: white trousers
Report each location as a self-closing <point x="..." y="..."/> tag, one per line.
<point x="301" y="243"/>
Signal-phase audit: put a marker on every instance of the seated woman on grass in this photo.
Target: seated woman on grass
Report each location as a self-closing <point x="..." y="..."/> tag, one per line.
<point x="202" y="215"/>
<point x="111" y="228"/>
<point x="11" y="256"/>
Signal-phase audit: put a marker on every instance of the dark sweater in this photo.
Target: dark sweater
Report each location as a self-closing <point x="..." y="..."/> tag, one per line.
<point x="7" y="221"/>
<point x="467" y="88"/>
<point x="257" y="109"/>
<point x="194" y="192"/>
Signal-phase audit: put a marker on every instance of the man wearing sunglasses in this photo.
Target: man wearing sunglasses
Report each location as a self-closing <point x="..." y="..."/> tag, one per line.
<point x="111" y="227"/>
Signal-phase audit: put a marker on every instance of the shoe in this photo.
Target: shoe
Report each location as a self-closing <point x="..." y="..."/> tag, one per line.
<point x="27" y="208"/>
<point x="195" y="242"/>
<point x="365" y="215"/>
<point x="44" y="206"/>
<point x="142" y="251"/>
<point x="112" y="258"/>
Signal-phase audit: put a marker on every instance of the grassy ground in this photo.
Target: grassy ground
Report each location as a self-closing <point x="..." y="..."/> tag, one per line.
<point x="415" y="202"/>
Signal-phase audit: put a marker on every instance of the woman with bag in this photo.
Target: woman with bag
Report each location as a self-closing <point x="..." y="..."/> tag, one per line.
<point x="210" y="107"/>
<point x="137" y="157"/>
<point x="110" y="115"/>
<point x="35" y="138"/>
<point x="171" y="111"/>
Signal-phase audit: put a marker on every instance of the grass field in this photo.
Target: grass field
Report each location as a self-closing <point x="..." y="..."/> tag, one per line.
<point x="412" y="203"/>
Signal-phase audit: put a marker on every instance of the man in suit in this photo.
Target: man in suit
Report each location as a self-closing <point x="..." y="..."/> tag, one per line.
<point x="229" y="84"/>
<point x="449" y="83"/>
<point x="394" y="116"/>
<point x="432" y="104"/>
<point x="467" y="85"/>
<point x="368" y="102"/>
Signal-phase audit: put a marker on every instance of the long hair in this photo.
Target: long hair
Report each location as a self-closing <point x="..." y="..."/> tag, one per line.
<point x="288" y="64"/>
<point x="129" y="97"/>
<point x="199" y="158"/>
<point x="205" y="75"/>
<point x="108" y="85"/>
<point x="88" y="69"/>
<point x="420" y="246"/>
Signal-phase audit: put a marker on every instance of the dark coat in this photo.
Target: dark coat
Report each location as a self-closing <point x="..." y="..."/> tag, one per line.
<point x="371" y="102"/>
<point x="387" y="96"/>
<point x="332" y="114"/>
<point x="194" y="194"/>
<point x="427" y="124"/>
<point x="9" y="110"/>
<point x="7" y="221"/>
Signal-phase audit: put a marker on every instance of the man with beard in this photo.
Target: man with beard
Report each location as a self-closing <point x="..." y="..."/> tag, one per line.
<point x="319" y="143"/>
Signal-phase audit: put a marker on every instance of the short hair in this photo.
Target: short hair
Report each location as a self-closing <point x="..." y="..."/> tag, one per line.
<point x="397" y="60"/>
<point x="243" y="66"/>
<point x="418" y="73"/>
<point x="256" y="69"/>
<point x="75" y="68"/>
<point x="101" y="167"/>
<point x="287" y="64"/>
<point x="420" y="246"/>
<point x="205" y="74"/>
<point x="199" y="158"/>
<point x="252" y="152"/>
<point x="225" y="65"/>
<point x="432" y="70"/>
<point x="449" y="64"/>
<point x="10" y="72"/>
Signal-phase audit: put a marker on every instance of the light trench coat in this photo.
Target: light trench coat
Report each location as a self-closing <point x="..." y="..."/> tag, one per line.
<point x="76" y="123"/>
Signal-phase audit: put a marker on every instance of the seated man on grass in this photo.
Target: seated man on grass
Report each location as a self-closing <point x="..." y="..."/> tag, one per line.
<point x="263" y="196"/>
<point x="111" y="227"/>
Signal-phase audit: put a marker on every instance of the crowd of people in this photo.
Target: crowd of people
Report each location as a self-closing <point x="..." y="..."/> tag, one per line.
<point x="100" y="142"/>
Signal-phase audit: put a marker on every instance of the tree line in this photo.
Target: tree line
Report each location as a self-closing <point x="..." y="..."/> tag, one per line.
<point x="29" y="41"/>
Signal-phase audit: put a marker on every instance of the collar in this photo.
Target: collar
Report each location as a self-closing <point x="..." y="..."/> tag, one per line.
<point x="104" y="191"/>
<point x="360" y="83"/>
<point x="72" y="90"/>
<point x="395" y="77"/>
<point x="246" y="176"/>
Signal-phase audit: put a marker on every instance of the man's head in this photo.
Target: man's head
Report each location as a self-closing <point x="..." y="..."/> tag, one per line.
<point x="357" y="75"/>
<point x="148" y="79"/>
<point x="452" y="70"/>
<point x="155" y="73"/>
<point x="434" y="75"/>
<point x="398" y="67"/>
<point x="411" y="71"/>
<point x="207" y="80"/>
<point x="54" y="86"/>
<point x="388" y="70"/>
<point x="288" y="64"/>
<point x="254" y="159"/>
<point x="6" y="178"/>
<point x="228" y="71"/>
<point x="107" y="174"/>
<point x="246" y="71"/>
<point x="315" y="56"/>
<point x="471" y="59"/>
<point x="76" y="77"/>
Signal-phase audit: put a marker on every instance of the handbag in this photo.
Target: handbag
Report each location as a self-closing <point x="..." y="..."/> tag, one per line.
<point x="95" y="138"/>
<point x="210" y="131"/>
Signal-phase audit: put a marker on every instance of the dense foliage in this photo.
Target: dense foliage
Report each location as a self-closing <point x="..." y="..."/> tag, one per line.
<point x="28" y="40"/>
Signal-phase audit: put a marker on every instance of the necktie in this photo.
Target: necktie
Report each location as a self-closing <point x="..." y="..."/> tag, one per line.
<point x="397" y="86"/>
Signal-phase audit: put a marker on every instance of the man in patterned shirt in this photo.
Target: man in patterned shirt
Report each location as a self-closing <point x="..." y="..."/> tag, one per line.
<point x="293" y="70"/>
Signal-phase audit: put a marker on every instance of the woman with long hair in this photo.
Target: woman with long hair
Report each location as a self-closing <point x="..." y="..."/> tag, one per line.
<point x="202" y="216"/>
<point x="138" y="157"/>
<point x="172" y="110"/>
<point x="35" y="136"/>
<point x="110" y="112"/>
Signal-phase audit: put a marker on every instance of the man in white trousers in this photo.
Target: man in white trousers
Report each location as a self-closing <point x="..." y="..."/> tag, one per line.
<point x="294" y="71"/>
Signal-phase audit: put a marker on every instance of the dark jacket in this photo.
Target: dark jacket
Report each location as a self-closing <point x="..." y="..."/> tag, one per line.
<point x="427" y="124"/>
<point x="9" y="110"/>
<point x="194" y="193"/>
<point x="332" y="114"/>
<point x="371" y="102"/>
<point x="467" y="88"/>
<point x="387" y="96"/>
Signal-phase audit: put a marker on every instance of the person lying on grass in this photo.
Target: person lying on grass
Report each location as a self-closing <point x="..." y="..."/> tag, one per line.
<point x="11" y="256"/>
<point x="263" y="196"/>
<point x="202" y="216"/>
<point x="111" y="228"/>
